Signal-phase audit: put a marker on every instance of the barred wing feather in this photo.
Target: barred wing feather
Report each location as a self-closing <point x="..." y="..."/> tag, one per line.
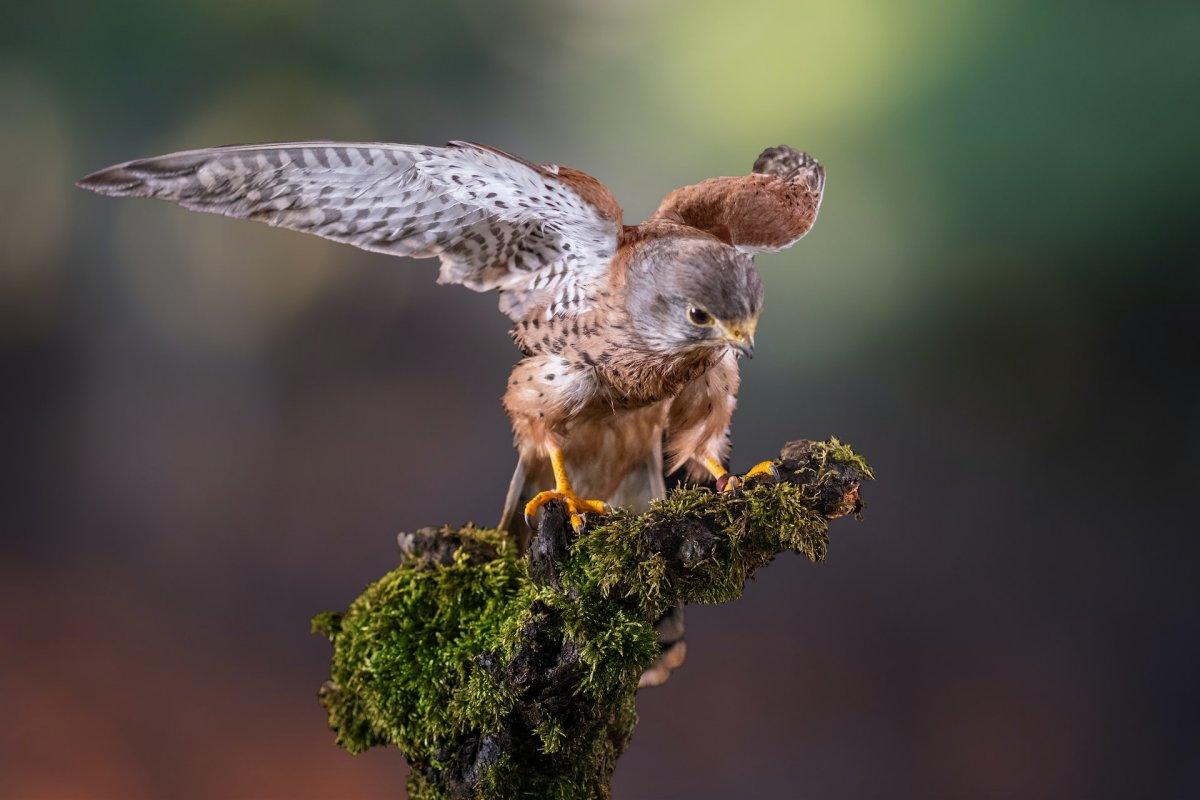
<point x="495" y="221"/>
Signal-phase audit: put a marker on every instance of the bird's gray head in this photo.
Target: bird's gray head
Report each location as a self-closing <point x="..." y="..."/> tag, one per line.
<point x="694" y="293"/>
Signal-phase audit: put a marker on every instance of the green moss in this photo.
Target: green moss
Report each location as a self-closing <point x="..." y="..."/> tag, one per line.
<point x="495" y="686"/>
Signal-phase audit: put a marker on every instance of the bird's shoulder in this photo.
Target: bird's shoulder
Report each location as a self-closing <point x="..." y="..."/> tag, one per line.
<point x="657" y="229"/>
<point x="591" y="190"/>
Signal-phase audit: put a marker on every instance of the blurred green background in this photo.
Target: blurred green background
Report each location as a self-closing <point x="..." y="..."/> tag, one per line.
<point x="212" y="429"/>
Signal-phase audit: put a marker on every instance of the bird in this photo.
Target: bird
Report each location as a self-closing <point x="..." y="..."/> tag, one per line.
<point x="630" y="335"/>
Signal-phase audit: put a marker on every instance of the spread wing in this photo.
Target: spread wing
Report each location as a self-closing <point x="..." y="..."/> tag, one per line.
<point x="541" y="235"/>
<point x="769" y="209"/>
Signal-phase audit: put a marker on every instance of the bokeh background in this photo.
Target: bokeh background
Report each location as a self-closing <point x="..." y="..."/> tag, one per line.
<point x="212" y="429"/>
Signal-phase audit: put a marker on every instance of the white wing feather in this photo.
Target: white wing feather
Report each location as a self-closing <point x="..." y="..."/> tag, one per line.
<point x="494" y="221"/>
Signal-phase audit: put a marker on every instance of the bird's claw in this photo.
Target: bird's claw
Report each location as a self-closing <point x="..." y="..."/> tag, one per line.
<point x="729" y="482"/>
<point x="576" y="507"/>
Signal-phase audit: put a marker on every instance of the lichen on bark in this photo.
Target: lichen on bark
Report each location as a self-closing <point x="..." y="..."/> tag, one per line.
<point x="499" y="674"/>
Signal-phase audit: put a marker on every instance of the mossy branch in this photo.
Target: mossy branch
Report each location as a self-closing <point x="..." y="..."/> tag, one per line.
<point x="503" y="675"/>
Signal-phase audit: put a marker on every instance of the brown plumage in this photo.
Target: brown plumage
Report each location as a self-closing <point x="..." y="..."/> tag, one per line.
<point x="630" y="333"/>
<point x="610" y="417"/>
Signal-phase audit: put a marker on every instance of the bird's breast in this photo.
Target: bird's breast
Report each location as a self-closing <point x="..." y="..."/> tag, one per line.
<point x="638" y="378"/>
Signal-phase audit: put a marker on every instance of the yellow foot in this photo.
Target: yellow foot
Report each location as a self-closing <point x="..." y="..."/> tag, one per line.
<point x="727" y="482"/>
<point x="576" y="506"/>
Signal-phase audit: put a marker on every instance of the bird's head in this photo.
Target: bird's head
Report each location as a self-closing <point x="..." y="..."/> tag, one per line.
<point x="688" y="294"/>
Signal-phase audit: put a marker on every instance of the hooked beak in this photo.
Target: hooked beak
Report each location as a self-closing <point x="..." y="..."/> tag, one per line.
<point x="741" y="339"/>
<point x="745" y="348"/>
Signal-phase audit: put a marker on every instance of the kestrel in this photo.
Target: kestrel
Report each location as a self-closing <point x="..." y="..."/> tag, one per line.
<point x="630" y="333"/>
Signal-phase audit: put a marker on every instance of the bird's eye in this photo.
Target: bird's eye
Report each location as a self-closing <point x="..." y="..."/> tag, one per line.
<point x="698" y="316"/>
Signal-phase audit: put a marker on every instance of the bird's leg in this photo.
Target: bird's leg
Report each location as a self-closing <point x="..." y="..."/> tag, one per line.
<point x="727" y="482"/>
<point x="718" y="471"/>
<point x="763" y="468"/>
<point x="576" y="506"/>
